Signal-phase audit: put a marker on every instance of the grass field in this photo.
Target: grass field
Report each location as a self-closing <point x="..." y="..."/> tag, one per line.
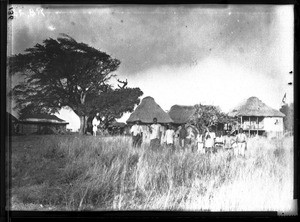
<point x="93" y="173"/>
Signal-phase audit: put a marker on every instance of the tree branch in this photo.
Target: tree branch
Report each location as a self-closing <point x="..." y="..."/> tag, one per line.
<point x="123" y="82"/>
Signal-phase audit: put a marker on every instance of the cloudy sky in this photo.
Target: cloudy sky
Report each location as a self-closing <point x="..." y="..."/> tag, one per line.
<point x="218" y="55"/>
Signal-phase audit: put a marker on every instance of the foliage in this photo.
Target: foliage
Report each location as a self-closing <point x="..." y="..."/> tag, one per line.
<point x="113" y="103"/>
<point x="208" y="115"/>
<point x="62" y="73"/>
<point x="288" y="120"/>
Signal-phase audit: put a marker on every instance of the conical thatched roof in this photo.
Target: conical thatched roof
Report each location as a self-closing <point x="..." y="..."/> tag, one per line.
<point x="181" y="114"/>
<point x="255" y="107"/>
<point x="147" y="110"/>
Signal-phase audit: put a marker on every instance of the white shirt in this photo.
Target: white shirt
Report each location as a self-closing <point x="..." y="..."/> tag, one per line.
<point x="190" y="133"/>
<point x="199" y="138"/>
<point x="209" y="142"/>
<point x="241" y="137"/>
<point x="170" y="136"/>
<point x="212" y="135"/>
<point x="219" y="139"/>
<point x="136" y="129"/>
<point x="95" y="122"/>
<point x="155" y="131"/>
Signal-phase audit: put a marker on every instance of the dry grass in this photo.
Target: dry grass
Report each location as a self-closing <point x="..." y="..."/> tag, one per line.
<point x="94" y="173"/>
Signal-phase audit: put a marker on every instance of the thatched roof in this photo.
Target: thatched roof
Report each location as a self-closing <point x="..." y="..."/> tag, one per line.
<point x="42" y="118"/>
<point x="255" y="107"/>
<point x="181" y="114"/>
<point x="147" y="110"/>
<point x="11" y="117"/>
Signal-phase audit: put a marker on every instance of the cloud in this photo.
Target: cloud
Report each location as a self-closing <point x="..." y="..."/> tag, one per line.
<point x="213" y="81"/>
<point x="51" y="28"/>
<point x="180" y="54"/>
<point x="144" y="37"/>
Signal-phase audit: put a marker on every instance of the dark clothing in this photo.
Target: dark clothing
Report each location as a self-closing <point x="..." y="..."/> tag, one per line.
<point x="137" y="140"/>
<point x="182" y="133"/>
<point x="171" y="147"/>
<point x="155" y="143"/>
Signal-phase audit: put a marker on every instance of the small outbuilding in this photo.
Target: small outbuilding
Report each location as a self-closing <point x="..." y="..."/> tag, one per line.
<point x="256" y="117"/>
<point x="41" y="124"/>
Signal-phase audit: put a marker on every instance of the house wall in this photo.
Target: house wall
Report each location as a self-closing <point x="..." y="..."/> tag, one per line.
<point x="273" y="124"/>
<point x="252" y="122"/>
<point x="30" y="128"/>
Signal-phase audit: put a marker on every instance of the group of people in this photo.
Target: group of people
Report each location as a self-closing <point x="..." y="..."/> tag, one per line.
<point x="211" y="142"/>
<point x="185" y="137"/>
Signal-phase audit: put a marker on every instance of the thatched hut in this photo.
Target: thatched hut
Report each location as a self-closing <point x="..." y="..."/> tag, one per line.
<point x="145" y="112"/>
<point x="181" y="114"/>
<point x="258" y="118"/>
<point x="41" y="124"/>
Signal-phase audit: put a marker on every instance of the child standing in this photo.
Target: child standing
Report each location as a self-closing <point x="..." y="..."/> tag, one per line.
<point x="219" y="142"/>
<point x="209" y="143"/>
<point x="95" y="123"/>
<point x="200" y="143"/>
<point x="170" y="137"/>
<point x="241" y="140"/>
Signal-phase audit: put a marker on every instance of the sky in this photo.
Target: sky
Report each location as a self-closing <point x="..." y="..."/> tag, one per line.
<point x="187" y="54"/>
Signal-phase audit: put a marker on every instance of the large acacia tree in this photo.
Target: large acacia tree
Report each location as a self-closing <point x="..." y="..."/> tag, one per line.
<point x="65" y="73"/>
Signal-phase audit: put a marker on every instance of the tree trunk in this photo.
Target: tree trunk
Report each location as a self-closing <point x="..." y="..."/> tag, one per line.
<point x="83" y="124"/>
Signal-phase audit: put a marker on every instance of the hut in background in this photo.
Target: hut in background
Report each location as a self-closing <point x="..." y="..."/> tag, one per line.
<point x="12" y="123"/>
<point x="256" y="117"/>
<point x="116" y="128"/>
<point x="145" y="112"/>
<point x="181" y="114"/>
<point x="41" y="124"/>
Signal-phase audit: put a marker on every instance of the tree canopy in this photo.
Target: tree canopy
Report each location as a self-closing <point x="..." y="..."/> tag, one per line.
<point x="112" y="104"/>
<point x="288" y="120"/>
<point x="64" y="73"/>
<point x="208" y="115"/>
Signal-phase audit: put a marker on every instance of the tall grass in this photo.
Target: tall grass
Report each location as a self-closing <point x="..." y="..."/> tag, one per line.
<point x="106" y="173"/>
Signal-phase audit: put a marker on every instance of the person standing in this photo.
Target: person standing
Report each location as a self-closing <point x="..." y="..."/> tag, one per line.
<point x="182" y="136"/>
<point x="219" y="141"/>
<point x="227" y="141"/>
<point x="208" y="144"/>
<point x="155" y="134"/>
<point x="212" y="135"/>
<point x="95" y="123"/>
<point x="137" y="134"/>
<point x="200" y="142"/>
<point x="241" y="140"/>
<point x="190" y="138"/>
<point x="170" y="137"/>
